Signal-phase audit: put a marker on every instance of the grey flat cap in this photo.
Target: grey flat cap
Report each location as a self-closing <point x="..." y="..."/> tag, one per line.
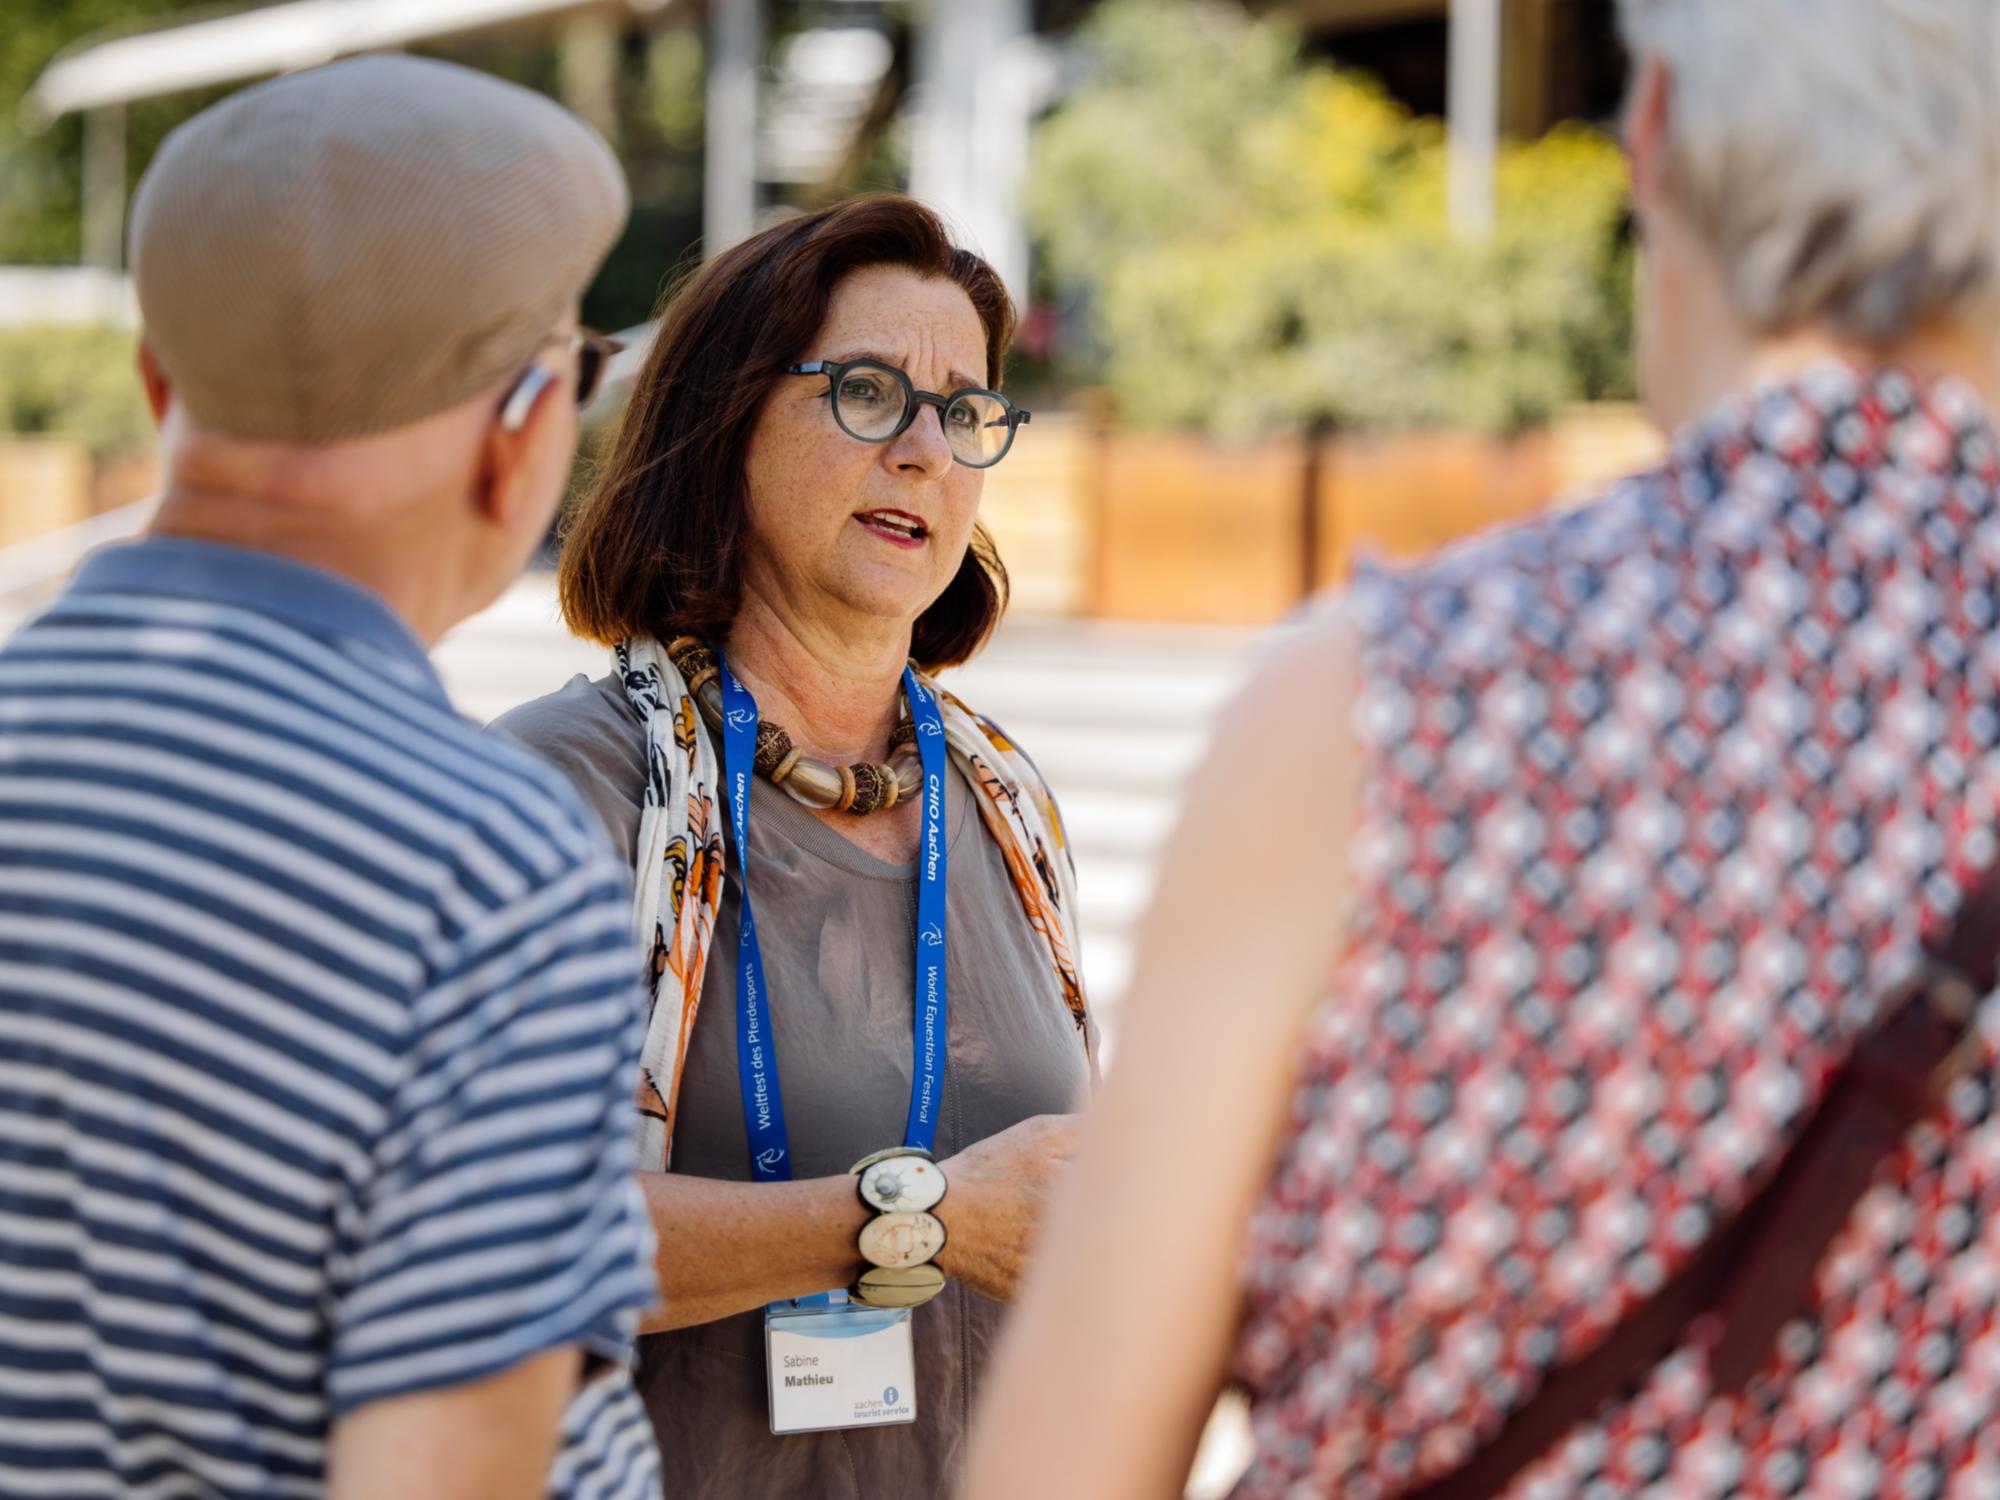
<point x="350" y="249"/>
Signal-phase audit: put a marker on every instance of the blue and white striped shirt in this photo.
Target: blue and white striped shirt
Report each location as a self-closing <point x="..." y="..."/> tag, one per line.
<point x="318" y="1022"/>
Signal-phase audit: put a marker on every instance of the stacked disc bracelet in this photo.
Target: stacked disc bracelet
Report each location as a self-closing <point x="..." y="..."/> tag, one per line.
<point x="903" y="1185"/>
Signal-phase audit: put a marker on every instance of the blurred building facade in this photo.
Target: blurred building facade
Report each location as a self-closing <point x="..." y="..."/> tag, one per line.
<point x="731" y="112"/>
<point x="1559" y="59"/>
<point x="802" y="95"/>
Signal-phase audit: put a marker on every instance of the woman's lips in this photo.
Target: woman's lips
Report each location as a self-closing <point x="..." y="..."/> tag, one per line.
<point x="897" y="527"/>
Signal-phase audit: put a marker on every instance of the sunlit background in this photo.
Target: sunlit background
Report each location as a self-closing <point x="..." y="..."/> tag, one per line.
<point x="1300" y="282"/>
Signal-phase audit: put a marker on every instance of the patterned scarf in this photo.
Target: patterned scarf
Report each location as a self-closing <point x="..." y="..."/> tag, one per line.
<point x="679" y="874"/>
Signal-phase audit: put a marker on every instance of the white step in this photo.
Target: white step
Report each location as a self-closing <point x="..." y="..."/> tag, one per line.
<point x="1075" y="758"/>
<point x="1113" y="892"/>
<point x="1107" y="970"/>
<point x="1088" y="691"/>
<point x="1125" y="645"/>
<point x="1110" y="821"/>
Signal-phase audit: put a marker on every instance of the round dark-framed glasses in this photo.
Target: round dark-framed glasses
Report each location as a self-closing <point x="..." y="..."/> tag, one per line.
<point x="876" y="403"/>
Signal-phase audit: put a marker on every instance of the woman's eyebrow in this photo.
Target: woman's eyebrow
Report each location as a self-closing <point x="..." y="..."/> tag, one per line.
<point x="959" y="380"/>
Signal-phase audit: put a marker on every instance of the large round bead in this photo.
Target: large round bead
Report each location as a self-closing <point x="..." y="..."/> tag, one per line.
<point x="815" y="783"/>
<point x="909" y="1286"/>
<point x="902" y="1184"/>
<point x="871" y="788"/>
<point x="773" y="745"/>
<point x="898" y="1241"/>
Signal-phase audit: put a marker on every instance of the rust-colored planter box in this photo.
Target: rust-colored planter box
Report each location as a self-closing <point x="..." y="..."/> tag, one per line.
<point x="1592" y="445"/>
<point x="44" y="484"/>
<point x="1192" y="530"/>
<point x="1401" y="496"/>
<point x="123" y="479"/>
<point x="1144" y="526"/>
<point x="1037" y="505"/>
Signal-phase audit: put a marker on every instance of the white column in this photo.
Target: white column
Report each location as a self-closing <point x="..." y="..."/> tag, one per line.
<point x="104" y="187"/>
<point x="729" y="170"/>
<point x="980" y="76"/>
<point x="1474" y="110"/>
<point x="587" y="70"/>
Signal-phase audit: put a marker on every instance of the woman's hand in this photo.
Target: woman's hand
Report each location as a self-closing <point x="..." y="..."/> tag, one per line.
<point x="993" y="1208"/>
<point x="729" y="1247"/>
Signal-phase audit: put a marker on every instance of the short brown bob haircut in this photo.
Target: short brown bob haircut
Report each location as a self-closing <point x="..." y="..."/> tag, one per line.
<point x="656" y="546"/>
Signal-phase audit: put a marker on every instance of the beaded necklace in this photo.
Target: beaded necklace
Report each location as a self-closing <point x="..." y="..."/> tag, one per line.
<point x="861" y="788"/>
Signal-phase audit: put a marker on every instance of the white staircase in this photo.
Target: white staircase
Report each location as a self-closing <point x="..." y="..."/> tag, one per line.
<point x="1117" y="715"/>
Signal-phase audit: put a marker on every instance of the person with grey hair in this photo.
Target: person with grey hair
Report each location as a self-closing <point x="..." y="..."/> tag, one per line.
<point x="318" y="1008"/>
<point x="1586" y="1093"/>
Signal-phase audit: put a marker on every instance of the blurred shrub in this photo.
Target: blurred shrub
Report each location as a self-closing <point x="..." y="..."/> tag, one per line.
<point x="1261" y="246"/>
<point x="73" y="382"/>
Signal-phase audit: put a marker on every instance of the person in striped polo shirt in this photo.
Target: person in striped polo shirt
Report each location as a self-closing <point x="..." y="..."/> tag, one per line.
<point x="318" y="1008"/>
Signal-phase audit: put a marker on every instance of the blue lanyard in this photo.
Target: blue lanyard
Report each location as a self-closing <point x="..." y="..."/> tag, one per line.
<point x="756" y="1051"/>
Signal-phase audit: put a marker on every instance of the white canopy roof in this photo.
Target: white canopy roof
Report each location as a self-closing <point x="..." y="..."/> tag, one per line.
<point x="272" y="39"/>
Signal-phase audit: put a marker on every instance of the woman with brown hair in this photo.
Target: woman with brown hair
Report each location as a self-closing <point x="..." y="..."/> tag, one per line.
<point x="846" y="1160"/>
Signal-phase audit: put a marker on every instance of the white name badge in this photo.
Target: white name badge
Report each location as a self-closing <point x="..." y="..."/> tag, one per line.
<point x="839" y="1366"/>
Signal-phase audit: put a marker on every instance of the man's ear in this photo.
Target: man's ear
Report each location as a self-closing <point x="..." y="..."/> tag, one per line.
<point x="1647" y="114"/>
<point x="159" y="393"/>
<point x="513" y="438"/>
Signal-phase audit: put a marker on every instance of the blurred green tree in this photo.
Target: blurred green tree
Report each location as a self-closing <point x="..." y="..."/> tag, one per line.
<point x="655" y="95"/>
<point x="41" y="188"/>
<point x="79" y="382"/>
<point x="75" y="383"/>
<point x="1262" y="247"/>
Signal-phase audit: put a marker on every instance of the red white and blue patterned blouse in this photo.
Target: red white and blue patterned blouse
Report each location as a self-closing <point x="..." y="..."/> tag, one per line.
<point x="1660" y="791"/>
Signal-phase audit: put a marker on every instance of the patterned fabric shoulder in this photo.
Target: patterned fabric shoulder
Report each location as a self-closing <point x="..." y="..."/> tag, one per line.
<point x="1662" y="793"/>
